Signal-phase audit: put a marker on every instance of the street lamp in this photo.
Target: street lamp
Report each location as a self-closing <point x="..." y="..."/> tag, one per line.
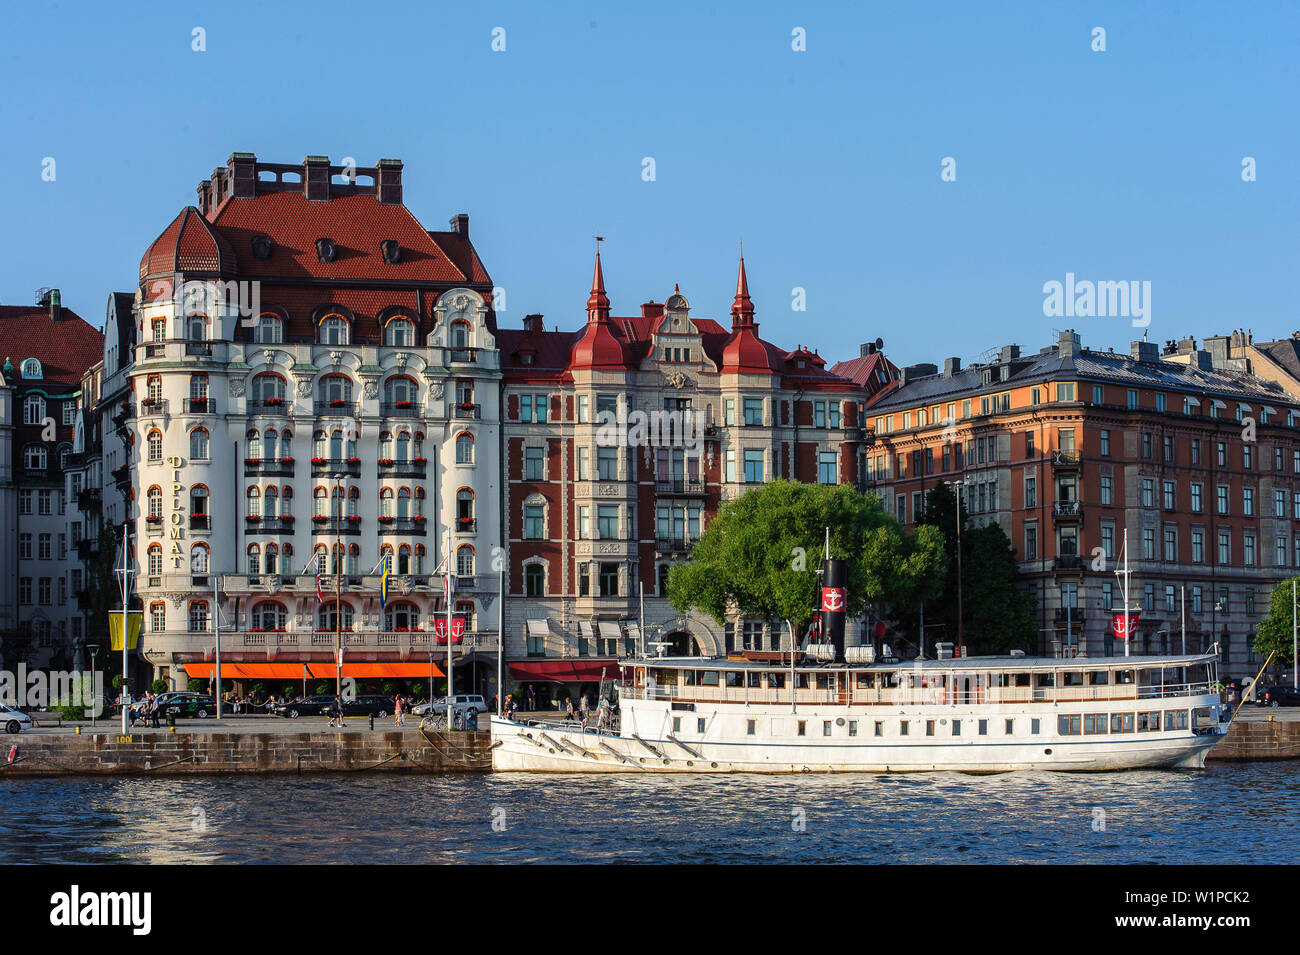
<point x="961" y="643"/>
<point x="93" y="648"/>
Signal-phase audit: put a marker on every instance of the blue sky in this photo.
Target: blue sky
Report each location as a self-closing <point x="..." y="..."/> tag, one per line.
<point x="1115" y="165"/>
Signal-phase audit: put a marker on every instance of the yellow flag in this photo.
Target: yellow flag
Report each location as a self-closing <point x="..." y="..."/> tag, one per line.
<point x="134" y="620"/>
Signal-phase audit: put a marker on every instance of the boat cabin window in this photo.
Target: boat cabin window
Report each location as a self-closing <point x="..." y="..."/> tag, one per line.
<point x="1072" y="678"/>
<point x="1123" y="676"/>
<point x="1121" y="722"/>
<point x="688" y="678"/>
<point x="754" y="679"/>
<point x="823" y="681"/>
<point x="708" y="678"/>
<point x="1044" y="679"/>
<point x="1098" y="677"/>
<point x="801" y="681"/>
<point x="665" y="677"/>
<point x="1022" y="679"/>
<point x="775" y="681"/>
<point x="866" y="680"/>
<point x="735" y="678"/>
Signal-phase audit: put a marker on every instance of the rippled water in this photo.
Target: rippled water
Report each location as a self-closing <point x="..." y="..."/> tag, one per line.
<point x="1226" y="813"/>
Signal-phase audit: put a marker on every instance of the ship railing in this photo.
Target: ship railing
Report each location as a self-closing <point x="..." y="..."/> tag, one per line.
<point x="610" y="728"/>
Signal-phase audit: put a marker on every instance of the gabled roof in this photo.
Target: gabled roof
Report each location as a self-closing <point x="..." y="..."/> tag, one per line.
<point x="65" y="348"/>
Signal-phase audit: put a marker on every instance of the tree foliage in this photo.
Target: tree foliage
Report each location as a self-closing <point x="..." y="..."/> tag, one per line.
<point x="762" y="552"/>
<point x="1274" y="633"/>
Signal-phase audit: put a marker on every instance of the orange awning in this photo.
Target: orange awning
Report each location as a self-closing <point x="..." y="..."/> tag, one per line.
<point x="315" y="671"/>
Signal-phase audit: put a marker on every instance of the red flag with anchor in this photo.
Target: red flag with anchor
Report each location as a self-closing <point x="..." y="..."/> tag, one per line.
<point x="1124" y="625"/>
<point x="457" y="629"/>
<point x="833" y="599"/>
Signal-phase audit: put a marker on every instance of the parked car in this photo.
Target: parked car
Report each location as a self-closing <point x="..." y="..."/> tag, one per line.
<point x="13" y="720"/>
<point x="1277" y="696"/>
<point x="186" y="706"/>
<point x="309" y="706"/>
<point x="473" y="701"/>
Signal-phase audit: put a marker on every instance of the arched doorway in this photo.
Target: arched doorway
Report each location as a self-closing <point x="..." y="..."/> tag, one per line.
<point x="681" y="643"/>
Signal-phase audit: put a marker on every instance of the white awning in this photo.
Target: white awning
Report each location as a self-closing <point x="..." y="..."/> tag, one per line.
<point x="1243" y="407"/>
<point x="1268" y="410"/>
<point x="1216" y="403"/>
<point x="584" y="628"/>
<point x="537" y="628"/>
<point x="634" y="632"/>
<point x="609" y="629"/>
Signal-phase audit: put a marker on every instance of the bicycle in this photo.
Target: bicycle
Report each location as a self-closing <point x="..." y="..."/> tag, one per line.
<point x="434" y="721"/>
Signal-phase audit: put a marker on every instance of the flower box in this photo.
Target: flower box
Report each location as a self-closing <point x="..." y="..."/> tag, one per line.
<point x="274" y="401"/>
<point x="467" y="405"/>
<point x="386" y="520"/>
<point x="286" y="460"/>
<point x="317" y="460"/>
<point x="420" y="518"/>
<point x="320" y="518"/>
<point x="404" y="404"/>
<point x="337" y="402"/>
<point x="354" y="518"/>
<point x="385" y="462"/>
<point x="419" y="460"/>
<point x="354" y="460"/>
<point x="154" y="518"/>
<point x="464" y="520"/>
<point x="287" y="517"/>
<point x="253" y="461"/>
<point x="254" y="517"/>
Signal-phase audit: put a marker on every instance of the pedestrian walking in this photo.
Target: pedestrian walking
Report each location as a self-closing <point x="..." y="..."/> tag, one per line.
<point x="398" y="719"/>
<point x="532" y="700"/>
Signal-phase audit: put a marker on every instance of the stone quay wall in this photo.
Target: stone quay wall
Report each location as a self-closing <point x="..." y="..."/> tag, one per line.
<point x="1258" y="739"/>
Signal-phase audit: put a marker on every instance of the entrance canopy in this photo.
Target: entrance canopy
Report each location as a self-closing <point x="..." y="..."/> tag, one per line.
<point x="315" y="671"/>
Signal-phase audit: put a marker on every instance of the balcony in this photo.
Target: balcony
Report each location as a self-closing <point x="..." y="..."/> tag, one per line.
<point x="1068" y="563"/>
<point x="1069" y="510"/>
<point x="399" y="409"/>
<point x="89" y="498"/>
<point x="199" y="406"/>
<point x="403" y="525"/>
<point x="1076" y="615"/>
<point x="121" y="475"/>
<point x="125" y="412"/>
<point x="1065" y="459"/>
<point x="466" y="356"/>
<point x="150" y="407"/>
<point x="269" y="525"/>
<point x="414" y="468"/>
<point x="673" y="545"/>
<point x="684" y="487"/>
<point x="272" y="467"/>
<point x="273" y="405"/>
<point x="466" y="525"/>
<point x="323" y="467"/>
<point x="198" y="348"/>
<point x="200" y="522"/>
<point x="418" y="643"/>
<point x="466" y="410"/>
<point x="334" y="525"/>
<point x="87" y="548"/>
<point x="335" y="406"/>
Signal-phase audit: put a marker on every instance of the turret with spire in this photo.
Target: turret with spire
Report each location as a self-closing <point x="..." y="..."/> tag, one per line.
<point x="598" y="302"/>
<point x="742" y="309"/>
<point x="598" y="347"/>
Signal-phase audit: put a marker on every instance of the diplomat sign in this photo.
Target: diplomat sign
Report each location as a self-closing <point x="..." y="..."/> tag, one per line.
<point x="176" y="522"/>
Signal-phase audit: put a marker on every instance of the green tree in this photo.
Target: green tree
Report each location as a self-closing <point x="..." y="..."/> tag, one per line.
<point x="762" y="552"/>
<point x="997" y="615"/>
<point x="1274" y="633"/>
<point x="103" y="594"/>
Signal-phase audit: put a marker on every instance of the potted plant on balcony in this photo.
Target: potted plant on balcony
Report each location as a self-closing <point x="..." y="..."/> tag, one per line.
<point x="148" y="401"/>
<point x="464" y="521"/>
<point x="420" y="460"/>
<point x="354" y="518"/>
<point x="286" y="518"/>
<point x="385" y="519"/>
<point x="154" y="518"/>
<point x="274" y="401"/>
<point x="253" y="461"/>
<point x="199" y="404"/>
<point x="253" y="518"/>
<point x="317" y="461"/>
<point x="385" y="462"/>
<point x="286" y="460"/>
<point x="319" y="518"/>
<point x="404" y="404"/>
<point x="337" y="402"/>
<point x="353" y="460"/>
<point x="419" y="518"/>
<point x="466" y="405"/>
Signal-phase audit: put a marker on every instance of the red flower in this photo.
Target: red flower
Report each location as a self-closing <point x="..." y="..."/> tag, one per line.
<point x="385" y="462"/>
<point x="404" y="404"/>
<point x="385" y="520"/>
<point x="154" y="518"/>
<point x="254" y="517"/>
<point x="286" y="460"/>
<point x="420" y="460"/>
<point x="337" y="403"/>
<point x="320" y="518"/>
<point x="252" y="460"/>
<point x="420" y="518"/>
<point x="317" y="460"/>
<point x="275" y="401"/>
<point x="354" y="460"/>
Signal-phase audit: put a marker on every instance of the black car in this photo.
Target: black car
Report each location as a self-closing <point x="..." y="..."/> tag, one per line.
<point x="200" y="706"/>
<point x="1277" y="696"/>
<point x="309" y="706"/>
<point x="368" y="706"/>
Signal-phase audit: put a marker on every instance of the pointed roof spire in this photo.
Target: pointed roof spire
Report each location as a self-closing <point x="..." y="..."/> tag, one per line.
<point x="598" y="302"/>
<point x="742" y="309"/>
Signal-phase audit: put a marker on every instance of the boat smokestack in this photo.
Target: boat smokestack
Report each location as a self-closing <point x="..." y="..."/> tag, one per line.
<point x="834" y="598"/>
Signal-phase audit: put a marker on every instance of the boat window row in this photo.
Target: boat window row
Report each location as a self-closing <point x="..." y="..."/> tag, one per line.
<point x="1097" y="724"/>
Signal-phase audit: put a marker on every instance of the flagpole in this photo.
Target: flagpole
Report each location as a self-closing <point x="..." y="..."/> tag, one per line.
<point x="126" y="686"/>
<point x="501" y="634"/>
<point x="1128" y="619"/>
<point x="447" y="591"/>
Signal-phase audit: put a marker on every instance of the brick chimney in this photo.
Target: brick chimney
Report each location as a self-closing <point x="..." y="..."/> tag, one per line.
<point x="533" y="323"/>
<point x="389" y="182"/>
<point x="243" y="175"/>
<point x="460" y="225"/>
<point x="56" y="305"/>
<point x="316" y="178"/>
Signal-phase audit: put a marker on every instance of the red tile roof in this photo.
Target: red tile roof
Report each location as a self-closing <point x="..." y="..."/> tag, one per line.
<point x="357" y="224"/>
<point x="65" y="348"/>
<point x="188" y="244"/>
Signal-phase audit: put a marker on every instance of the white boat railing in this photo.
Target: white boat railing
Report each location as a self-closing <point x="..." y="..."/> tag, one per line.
<point x="919" y="696"/>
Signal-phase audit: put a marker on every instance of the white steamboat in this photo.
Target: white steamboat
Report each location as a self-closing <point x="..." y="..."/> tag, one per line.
<point x="971" y="714"/>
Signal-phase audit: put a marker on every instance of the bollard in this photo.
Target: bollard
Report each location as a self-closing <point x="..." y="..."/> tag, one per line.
<point x="171" y="720"/>
<point x="173" y="728"/>
<point x="372" y="720"/>
<point x="78" y="730"/>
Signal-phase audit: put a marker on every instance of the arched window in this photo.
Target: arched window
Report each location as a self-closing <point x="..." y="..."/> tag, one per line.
<point x="419" y="558"/>
<point x="465" y="392"/>
<point x="268" y="389"/>
<point x="32" y="368"/>
<point x="272" y="559"/>
<point x="322" y="557"/>
<point x="333" y="330"/>
<point x="154" y="498"/>
<point x="417" y="445"/>
<point x="401" y="616"/>
<point x="354" y="502"/>
<point x="320" y="502"/>
<point x="34" y="457"/>
<point x="329" y="616"/>
<point x="465" y="561"/>
<point x="199" y="388"/>
<point x="335" y="390"/>
<point x="196" y="328"/>
<point x="386" y="502"/>
<point x="419" y="502"/>
<point x="198" y="501"/>
<point x="157" y="617"/>
<point x="254" y="499"/>
<point x="404" y="446"/>
<point x="267" y="615"/>
<point x="33" y="409"/>
<point x="154" y="443"/>
<point x="464" y="448"/>
<point x="65" y="450"/>
<point x="336" y="445"/>
<point x="198" y="616"/>
<point x="199" y="559"/>
<point x="254" y="446"/>
<point x="318" y="445"/>
<point x="155" y="560"/>
<point x="460" y="334"/>
<point x="534" y="580"/>
<point x="400" y="392"/>
<point x="336" y="560"/>
<point x="254" y="560"/>
<point x="272" y="445"/>
<point x="153" y="388"/>
<point x="354" y="559"/>
<point x="464" y="506"/>
<point x="404" y="559"/>
<point x="385" y="445"/>
<point x="270" y="330"/>
<point x="272" y="499"/>
<point x="199" y="444"/>
<point x="386" y="559"/>
<point x="404" y="502"/>
<point x="399" y="332"/>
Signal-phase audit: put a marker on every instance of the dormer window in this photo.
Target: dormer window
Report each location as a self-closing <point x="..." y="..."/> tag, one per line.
<point x="32" y="368"/>
<point x="262" y="246"/>
<point x="391" y="250"/>
<point x="333" y="330"/>
<point x="326" y="250"/>
<point x="399" y="332"/>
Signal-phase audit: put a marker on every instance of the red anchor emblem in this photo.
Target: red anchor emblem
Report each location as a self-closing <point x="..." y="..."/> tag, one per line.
<point x="833" y="599"/>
